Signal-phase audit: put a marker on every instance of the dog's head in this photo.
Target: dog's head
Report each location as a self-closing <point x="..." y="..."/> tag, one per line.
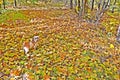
<point x="36" y="38"/>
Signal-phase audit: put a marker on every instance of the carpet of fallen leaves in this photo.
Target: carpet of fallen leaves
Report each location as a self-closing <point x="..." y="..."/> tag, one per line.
<point x="68" y="49"/>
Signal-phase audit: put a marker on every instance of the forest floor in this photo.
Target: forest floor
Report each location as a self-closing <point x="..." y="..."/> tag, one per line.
<point x="68" y="48"/>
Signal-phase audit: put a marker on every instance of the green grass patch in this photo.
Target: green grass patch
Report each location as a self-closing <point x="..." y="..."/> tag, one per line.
<point x="11" y="15"/>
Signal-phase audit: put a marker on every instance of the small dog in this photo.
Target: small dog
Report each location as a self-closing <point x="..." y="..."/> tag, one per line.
<point x="32" y="44"/>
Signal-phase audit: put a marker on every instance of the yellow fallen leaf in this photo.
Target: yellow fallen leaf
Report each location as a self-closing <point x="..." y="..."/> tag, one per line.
<point x="111" y="46"/>
<point x="12" y="78"/>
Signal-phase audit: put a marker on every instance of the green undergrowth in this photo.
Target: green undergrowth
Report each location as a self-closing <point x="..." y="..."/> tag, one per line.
<point x="11" y="15"/>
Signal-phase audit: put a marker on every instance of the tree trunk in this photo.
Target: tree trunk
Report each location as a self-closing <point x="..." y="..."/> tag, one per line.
<point x="114" y="6"/>
<point x="15" y="3"/>
<point x="75" y="2"/>
<point x="103" y="6"/>
<point x="0" y="10"/>
<point x="118" y="34"/>
<point x="4" y="4"/>
<point x="26" y="1"/>
<point x="99" y="4"/>
<point x="83" y="7"/>
<point x="81" y="12"/>
<point x="71" y="4"/>
<point x="65" y="2"/>
<point x="19" y="2"/>
<point x="98" y="13"/>
<point x="92" y="5"/>
<point x="79" y="4"/>
<point x="107" y="4"/>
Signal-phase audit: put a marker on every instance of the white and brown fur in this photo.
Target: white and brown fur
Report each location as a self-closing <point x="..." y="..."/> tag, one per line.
<point x="32" y="44"/>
